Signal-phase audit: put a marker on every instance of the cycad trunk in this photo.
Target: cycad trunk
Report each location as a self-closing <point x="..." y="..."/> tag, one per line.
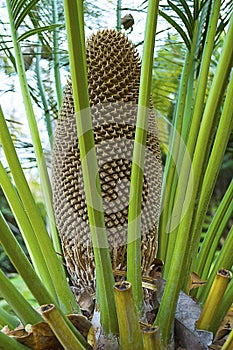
<point x="113" y="80"/>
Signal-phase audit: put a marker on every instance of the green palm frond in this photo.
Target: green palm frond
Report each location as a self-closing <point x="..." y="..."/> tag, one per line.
<point x="37" y="31"/>
<point x="21" y="10"/>
<point x="226" y="11"/>
<point x="186" y="19"/>
<point x="178" y="28"/>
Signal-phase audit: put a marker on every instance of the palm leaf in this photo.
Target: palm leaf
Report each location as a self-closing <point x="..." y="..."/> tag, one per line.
<point x="22" y="10"/>
<point x="37" y="31"/>
<point x="185" y="20"/>
<point x="187" y="10"/>
<point x="179" y="29"/>
<point x="226" y="11"/>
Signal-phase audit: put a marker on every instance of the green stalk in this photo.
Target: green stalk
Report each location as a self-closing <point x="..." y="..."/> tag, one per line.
<point x="9" y="319"/>
<point x="18" y="303"/>
<point x="43" y="98"/>
<point x="174" y="159"/>
<point x="214" y="300"/>
<point x="182" y="122"/>
<point x="118" y="27"/>
<point x="129" y="328"/>
<point x="228" y="345"/>
<point x="22" y="265"/>
<point x="54" y="233"/>
<point x="104" y="275"/>
<point x="214" y="233"/>
<point x="10" y="343"/>
<point x="206" y="133"/>
<point x="166" y="312"/>
<point x="56" y="58"/>
<point x="56" y="272"/>
<point x="203" y="75"/>
<point x="224" y="260"/>
<point x="214" y="164"/>
<point x="26" y="229"/>
<point x="151" y="338"/>
<point x="134" y="275"/>
<point x="171" y="161"/>
<point x="225" y="306"/>
<point x="64" y="330"/>
<point x="32" y="122"/>
<point x="191" y="131"/>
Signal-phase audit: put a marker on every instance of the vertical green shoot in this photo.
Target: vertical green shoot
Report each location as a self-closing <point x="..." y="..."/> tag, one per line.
<point x="26" y="313"/>
<point x="168" y="189"/>
<point x="221" y="139"/>
<point x="9" y="319"/>
<point x="104" y="275"/>
<point x="225" y="306"/>
<point x="55" y="280"/>
<point x="26" y="229"/>
<point x="129" y="328"/>
<point x="212" y="237"/>
<point x="22" y="265"/>
<point x="134" y="275"/>
<point x="56" y="56"/>
<point x="10" y="343"/>
<point x="118" y="11"/>
<point x="43" y="97"/>
<point x="66" y="333"/>
<point x="178" y="273"/>
<point x="32" y="122"/>
<point x="224" y="260"/>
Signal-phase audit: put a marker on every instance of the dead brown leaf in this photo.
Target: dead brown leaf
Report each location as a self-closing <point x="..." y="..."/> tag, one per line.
<point x="41" y="337"/>
<point x="194" y="282"/>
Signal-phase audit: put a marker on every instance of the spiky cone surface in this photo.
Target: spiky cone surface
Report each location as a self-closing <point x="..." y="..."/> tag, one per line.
<point x="113" y="79"/>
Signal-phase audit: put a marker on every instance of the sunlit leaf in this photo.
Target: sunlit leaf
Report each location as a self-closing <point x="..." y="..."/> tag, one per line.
<point x="177" y="27"/>
<point x="37" y="31"/>
<point x="25" y="9"/>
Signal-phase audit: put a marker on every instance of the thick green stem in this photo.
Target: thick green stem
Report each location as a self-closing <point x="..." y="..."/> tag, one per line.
<point x="179" y="152"/>
<point x="26" y="229"/>
<point x="10" y="343"/>
<point x="64" y="330"/>
<point x="224" y="260"/>
<point x="167" y="307"/>
<point x="129" y="328"/>
<point x="18" y="303"/>
<point x="213" y="167"/>
<point x="55" y="282"/>
<point x="214" y="233"/>
<point x="213" y="301"/>
<point x="170" y="166"/>
<point x="32" y="122"/>
<point x="134" y="275"/>
<point x="225" y="306"/>
<point x="151" y="338"/>
<point x="104" y="275"/>
<point x="9" y="319"/>
<point x="228" y="345"/>
<point x="190" y="129"/>
<point x="22" y="265"/>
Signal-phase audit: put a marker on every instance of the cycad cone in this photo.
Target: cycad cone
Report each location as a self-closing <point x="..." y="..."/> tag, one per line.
<point x="113" y="77"/>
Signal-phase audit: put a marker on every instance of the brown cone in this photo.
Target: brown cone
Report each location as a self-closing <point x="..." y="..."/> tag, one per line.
<point x="113" y="80"/>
